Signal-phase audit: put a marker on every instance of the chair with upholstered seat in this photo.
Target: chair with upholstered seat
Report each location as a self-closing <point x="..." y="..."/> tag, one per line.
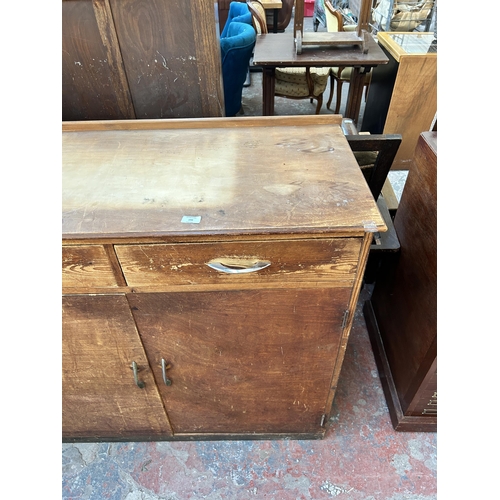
<point x="292" y="83"/>
<point x="341" y="75"/>
<point x="236" y="49"/>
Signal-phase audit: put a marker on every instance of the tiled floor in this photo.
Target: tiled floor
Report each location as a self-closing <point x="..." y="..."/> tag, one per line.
<point x="361" y="458"/>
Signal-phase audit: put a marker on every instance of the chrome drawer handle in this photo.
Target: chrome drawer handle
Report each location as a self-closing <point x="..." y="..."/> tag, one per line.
<point x="138" y="382"/>
<point x="238" y="266"/>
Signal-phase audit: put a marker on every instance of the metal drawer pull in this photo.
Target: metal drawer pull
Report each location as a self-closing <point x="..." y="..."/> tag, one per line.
<point x="164" y="368"/>
<point x="238" y="266"/>
<point x="138" y="382"/>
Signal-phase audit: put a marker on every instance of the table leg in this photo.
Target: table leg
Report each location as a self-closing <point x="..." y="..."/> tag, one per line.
<point x="268" y="90"/>
<point x="355" y="93"/>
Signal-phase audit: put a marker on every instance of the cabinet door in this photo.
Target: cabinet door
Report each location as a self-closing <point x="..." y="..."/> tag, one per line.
<point x="254" y="361"/>
<point x="94" y="84"/>
<point x="100" y="398"/>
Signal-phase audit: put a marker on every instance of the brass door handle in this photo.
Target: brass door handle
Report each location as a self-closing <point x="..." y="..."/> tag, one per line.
<point x="238" y="266"/>
<point x="164" y="368"/>
<point x="138" y="382"/>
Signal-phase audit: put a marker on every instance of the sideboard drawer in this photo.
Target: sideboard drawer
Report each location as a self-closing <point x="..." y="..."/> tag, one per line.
<point x="268" y="263"/>
<point x="86" y="266"/>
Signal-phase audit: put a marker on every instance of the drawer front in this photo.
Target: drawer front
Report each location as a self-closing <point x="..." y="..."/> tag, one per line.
<point x="276" y="263"/>
<point x="86" y="266"/>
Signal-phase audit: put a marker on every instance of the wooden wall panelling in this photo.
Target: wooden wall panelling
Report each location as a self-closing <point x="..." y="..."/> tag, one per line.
<point x="171" y="56"/>
<point x="94" y="85"/>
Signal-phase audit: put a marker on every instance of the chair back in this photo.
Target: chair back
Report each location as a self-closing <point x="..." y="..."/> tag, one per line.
<point x="236" y="50"/>
<point x="239" y="12"/>
<point x="334" y="20"/>
<point x="285" y="14"/>
<point x="258" y="16"/>
<point x="386" y="145"/>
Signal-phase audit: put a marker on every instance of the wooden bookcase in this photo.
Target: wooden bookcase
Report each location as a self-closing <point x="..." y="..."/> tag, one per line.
<point x="225" y="258"/>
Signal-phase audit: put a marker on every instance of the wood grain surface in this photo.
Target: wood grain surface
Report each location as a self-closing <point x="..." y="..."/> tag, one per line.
<point x="314" y="263"/>
<point x="94" y="84"/>
<point x="99" y="395"/>
<point x="86" y="266"/>
<point x="248" y="361"/>
<point x="262" y="177"/>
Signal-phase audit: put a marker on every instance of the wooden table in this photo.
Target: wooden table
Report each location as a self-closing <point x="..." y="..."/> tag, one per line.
<point x="278" y="50"/>
<point x="211" y="270"/>
<point x="275" y="5"/>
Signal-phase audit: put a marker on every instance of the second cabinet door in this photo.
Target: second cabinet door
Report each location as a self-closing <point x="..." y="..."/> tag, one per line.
<point x="257" y="361"/>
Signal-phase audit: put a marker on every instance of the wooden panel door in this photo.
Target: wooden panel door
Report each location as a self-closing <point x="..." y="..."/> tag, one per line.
<point x="256" y="361"/>
<point x="172" y="57"/>
<point x="100" y="398"/>
<point x="94" y="84"/>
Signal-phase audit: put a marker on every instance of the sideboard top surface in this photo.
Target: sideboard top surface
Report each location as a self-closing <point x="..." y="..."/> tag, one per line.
<point x="136" y="178"/>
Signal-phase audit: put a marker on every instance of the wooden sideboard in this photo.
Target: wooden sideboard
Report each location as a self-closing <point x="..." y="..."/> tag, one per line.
<point x="211" y="270"/>
<point x="402" y="97"/>
<point x="125" y="59"/>
<point x="402" y="314"/>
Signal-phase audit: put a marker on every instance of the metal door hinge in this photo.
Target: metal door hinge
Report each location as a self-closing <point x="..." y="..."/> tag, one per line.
<point x="344" y="319"/>
<point x="323" y="418"/>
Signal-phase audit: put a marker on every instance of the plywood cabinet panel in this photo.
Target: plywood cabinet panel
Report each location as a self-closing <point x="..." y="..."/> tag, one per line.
<point x="126" y="59"/>
<point x="94" y="85"/>
<point x="325" y="262"/>
<point x="403" y="94"/>
<point x="402" y="313"/>
<point x="85" y="266"/>
<point x="243" y="361"/>
<point x="100" y="397"/>
<point x="171" y="55"/>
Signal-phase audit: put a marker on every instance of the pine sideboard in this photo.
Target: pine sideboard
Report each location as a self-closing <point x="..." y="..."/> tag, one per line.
<point x="211" y="269"/>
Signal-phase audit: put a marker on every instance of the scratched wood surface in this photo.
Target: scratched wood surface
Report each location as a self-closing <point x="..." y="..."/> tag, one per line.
<point x="94" y="84"/>
<point x="172" y="57"/>
<point x="99" y="396"/>
<point x="126" y="59"/>
<point x="315" y="263"/>
<point x="239" y="176"/>
<point x="245" y="361"/>
<point x="86" y="266"/>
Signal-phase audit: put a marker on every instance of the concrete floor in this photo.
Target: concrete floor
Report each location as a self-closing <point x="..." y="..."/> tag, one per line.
<point x="361" y="458"/>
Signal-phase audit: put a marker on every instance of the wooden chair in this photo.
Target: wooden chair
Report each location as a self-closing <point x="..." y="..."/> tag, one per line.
<point x="284" y="16"/>
<point x="292" y="83"/>
<point x="341" y="74"/>
<point x="375" y="155"/>
<point x="258" y="16"/>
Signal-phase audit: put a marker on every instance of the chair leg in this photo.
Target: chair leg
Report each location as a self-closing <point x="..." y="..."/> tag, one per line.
<point x="320" y="102"/>
<point x="332" y="85"/>
<point x="339" y="96"/>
